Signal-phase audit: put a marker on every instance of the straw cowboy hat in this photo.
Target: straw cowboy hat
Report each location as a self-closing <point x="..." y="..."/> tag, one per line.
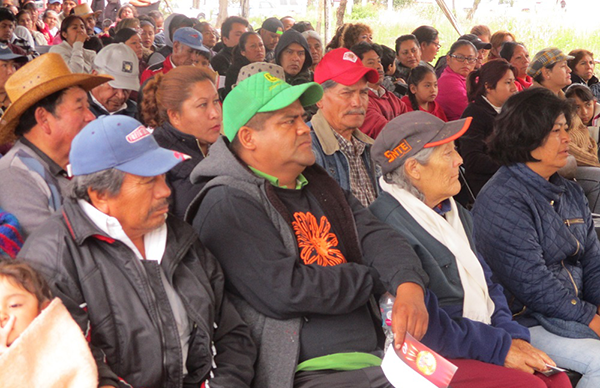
<point x="36" y="80"/>
<point x="84" y="10"/>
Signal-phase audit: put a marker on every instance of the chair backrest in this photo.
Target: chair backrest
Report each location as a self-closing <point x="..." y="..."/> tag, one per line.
<point x="42" y="49"/>
<point x="465" y="197"/>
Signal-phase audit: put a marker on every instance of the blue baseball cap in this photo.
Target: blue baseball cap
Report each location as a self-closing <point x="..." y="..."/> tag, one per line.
<point x="54" y="1"/>
<point x="190" y="37"/>
<point x="123" y="143"/>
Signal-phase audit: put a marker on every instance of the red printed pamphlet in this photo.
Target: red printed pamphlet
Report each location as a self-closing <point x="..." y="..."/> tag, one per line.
<point x="416" y="366"/>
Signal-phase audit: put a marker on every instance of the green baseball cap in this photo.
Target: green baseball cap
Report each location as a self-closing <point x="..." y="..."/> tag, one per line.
<point x="261" y="93"/>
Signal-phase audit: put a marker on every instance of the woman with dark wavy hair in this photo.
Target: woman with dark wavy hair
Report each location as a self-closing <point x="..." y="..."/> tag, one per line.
<point x="350" y="34"/>
<point x="535" y="230"/>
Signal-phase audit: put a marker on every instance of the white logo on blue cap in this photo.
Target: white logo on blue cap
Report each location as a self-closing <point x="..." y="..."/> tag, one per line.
<point x="137" y="134"/>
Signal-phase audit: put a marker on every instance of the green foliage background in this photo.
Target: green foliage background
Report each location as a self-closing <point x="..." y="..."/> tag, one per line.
<point x="547" y="27"/>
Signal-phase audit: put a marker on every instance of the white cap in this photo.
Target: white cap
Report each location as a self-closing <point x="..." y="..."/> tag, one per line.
<point x="121" y="62"/>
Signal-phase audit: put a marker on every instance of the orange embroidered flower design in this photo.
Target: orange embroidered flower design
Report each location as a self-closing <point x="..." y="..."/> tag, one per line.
<point x="315" y="241"/>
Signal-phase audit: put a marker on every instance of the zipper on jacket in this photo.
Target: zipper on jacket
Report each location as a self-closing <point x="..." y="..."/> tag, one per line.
<point x="162" y="328"/>
<point x="200" y="148"/>
<point x="571" y="276"/>
<point x="573" y="221"/>
<point x="159" y="325"/>
<point x="212" y="366"/>
<point x="576" y="241"/>
<point x="153" y="305"/>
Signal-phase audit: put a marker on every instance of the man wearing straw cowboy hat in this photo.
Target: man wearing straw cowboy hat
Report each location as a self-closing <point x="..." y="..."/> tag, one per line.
<point x="49" y="107"/>
<point x="89" y="17"/>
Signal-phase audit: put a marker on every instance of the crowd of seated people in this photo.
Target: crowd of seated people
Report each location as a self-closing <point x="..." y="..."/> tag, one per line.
<point x="182" y="205"/>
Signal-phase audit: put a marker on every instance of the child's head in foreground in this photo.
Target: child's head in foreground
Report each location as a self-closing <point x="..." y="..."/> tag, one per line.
<point x="24" y="293"/>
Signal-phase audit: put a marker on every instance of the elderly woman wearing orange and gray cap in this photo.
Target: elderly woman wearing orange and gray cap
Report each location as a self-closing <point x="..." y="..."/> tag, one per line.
<point x="420" y="167"/>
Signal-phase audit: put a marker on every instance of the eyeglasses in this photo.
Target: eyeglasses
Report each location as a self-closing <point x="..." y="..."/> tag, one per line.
<point x="462" y="58"/>
<point x="437" y="45"/>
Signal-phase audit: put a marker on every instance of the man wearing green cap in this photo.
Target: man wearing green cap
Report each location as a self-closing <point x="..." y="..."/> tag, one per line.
<point x="302" y="257"/>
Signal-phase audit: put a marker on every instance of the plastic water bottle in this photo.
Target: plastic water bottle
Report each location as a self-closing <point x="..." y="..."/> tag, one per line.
<point x="386" y="303"/>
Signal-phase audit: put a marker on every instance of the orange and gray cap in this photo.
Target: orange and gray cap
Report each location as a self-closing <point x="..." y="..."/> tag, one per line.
<point x="411" y="132"/>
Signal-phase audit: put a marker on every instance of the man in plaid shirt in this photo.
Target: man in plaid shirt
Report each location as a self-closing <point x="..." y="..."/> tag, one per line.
<point x="339" y="145"/>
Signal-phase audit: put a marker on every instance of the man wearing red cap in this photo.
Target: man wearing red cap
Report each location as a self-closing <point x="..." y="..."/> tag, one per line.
<point x="383" y="105"/>
<point x="339" y="145"/>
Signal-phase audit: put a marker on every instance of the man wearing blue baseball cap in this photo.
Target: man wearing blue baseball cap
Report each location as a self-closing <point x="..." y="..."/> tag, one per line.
<point x="137" y="281"/>
<point x="54" y="5"/>
<point x="187" y="50"/>
<point x="301" y="255"/>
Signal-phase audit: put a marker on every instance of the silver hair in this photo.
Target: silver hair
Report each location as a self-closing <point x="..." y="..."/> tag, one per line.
<point x="312" y="34"/>
<point x="399" y="178"/>
<point x="105" y="181"/>
<point x="329" y="84"/>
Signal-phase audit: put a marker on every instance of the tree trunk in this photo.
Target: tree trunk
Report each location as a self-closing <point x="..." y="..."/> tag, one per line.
<point x="245" y="6"/>
<point x="222" y="12"/>
<point x="340" y="14"/>
<point x="326" y="21"/>
<point x="196" y="4"/>
<point x="320" y="19"/>
<point x="473" y="9"/>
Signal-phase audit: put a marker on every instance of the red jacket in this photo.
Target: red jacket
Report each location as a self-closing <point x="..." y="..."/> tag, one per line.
<point x="162" y="68"/>
<point x="380" y="111"/>
<point x="433" y="107"/>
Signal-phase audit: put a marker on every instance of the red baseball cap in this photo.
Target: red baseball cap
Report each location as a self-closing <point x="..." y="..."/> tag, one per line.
<point x="344" y="67"/>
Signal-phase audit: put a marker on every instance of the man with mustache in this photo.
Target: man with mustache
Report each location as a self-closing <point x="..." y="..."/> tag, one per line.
<point x="301" y="255"/>
<point x="338" y="143"/>
<point x="383" y="105"/>
<point x="138" y="282"/>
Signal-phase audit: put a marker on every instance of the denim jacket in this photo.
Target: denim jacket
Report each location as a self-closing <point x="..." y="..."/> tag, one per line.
<point x="330" y="156"/>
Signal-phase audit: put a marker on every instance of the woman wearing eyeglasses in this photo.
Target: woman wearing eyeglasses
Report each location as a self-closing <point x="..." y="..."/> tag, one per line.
<point x="429" y="42"/>
<point x="452" y="85"/>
